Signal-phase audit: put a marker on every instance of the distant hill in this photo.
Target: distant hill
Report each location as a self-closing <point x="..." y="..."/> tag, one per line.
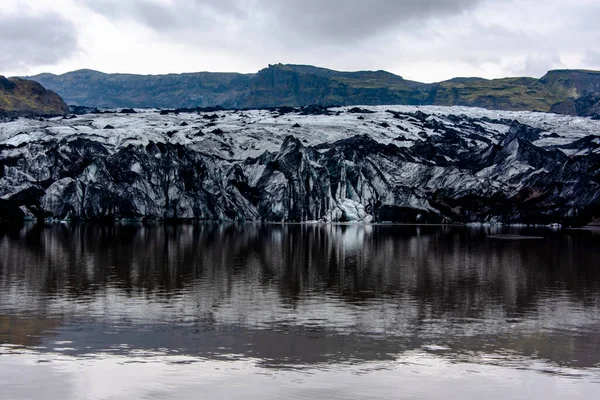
<point x="574" y="92"/>
<point x="92" y="88"/>
<point x="25" y="97"/>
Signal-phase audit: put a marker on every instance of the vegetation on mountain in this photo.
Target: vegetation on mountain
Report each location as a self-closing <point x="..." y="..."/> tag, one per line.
<point x="574" y="92"/>
<point x="25" y="97"/>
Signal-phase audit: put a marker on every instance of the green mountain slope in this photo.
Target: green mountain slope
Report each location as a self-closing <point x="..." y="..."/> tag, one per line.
<point x="574" y="92"/>
<point x="24" y="97"/>
<point x="87" y="87"/>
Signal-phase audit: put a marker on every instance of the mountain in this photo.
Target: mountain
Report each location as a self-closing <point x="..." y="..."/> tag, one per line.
<point x="580" y="88"/>
<point x="277" y="85"/>
<point x="293" y="85"/>
<point x="573" y="92"/>
<point x="91" y="88"/>
<point x="395" y="163"/>
<point x="21" y="97"/>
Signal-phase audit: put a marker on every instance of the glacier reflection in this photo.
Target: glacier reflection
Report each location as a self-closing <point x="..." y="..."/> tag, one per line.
<point x="291" y="295"/>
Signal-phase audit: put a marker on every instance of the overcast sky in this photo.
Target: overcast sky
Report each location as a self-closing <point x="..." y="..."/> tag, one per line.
<point x="425" y="40"/>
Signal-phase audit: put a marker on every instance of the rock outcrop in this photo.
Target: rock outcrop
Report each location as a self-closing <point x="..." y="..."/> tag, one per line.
<point x="20" y="97"/>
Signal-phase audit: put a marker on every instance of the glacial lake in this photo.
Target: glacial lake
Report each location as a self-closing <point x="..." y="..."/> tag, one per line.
<point x="251" y="311"/>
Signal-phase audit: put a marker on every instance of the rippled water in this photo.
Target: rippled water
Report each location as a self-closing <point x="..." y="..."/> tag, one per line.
<point x="297" y="312"/>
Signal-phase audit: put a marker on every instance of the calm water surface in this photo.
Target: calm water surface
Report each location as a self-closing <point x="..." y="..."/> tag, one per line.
<point x="297" y="312"/>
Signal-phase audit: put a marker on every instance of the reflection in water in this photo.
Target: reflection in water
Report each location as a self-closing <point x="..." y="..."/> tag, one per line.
<point x="303" y="296"/>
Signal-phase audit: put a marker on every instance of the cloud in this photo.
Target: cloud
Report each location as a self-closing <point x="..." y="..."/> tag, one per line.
<point x="176" y="16"/>
<point x="155" y="15"/>
<point x="343" y="21"/>
<point x="28" y="40"/>
<point x="537" y="64"/>
<point x="422" y="40"/>
<point x="314" y="22"/>
<point x="592" y="59"/>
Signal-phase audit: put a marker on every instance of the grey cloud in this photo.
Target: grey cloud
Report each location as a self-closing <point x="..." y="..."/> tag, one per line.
<point x="537" y="64"/>
<point x="178" y="16"/>
<point x="346" y="21"/>
<point x="31" y="40"/>
<point x="592" y="59"/>
<point x="155" y="15"/>
<point x="323" y="22"/>
<point x="516" y="37"/>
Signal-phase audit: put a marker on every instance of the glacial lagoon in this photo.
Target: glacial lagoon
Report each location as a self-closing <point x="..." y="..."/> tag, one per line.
<point x="258" y="311"/>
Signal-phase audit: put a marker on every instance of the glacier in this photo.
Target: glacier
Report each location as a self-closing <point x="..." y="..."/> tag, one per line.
<point x="407" y="164"/>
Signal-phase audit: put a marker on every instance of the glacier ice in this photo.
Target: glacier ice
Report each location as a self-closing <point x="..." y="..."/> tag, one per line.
<point x="397" y="163"/>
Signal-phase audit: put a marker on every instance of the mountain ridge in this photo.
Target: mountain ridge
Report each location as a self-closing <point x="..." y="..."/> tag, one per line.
<point x="573" y="92"/>
<point x="21" y="97"/>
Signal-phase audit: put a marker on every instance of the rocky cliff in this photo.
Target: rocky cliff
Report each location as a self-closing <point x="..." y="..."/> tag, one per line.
<point x="400" y="164"/>
<point x="572" y="92"/>
<point x="20" y="97"/>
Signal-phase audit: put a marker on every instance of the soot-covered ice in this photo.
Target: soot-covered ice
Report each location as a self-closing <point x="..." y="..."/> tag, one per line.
<point x="398" y="163"/>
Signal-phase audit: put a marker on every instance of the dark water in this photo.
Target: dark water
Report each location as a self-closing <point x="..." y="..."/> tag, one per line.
<point x="297" y="312"/>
